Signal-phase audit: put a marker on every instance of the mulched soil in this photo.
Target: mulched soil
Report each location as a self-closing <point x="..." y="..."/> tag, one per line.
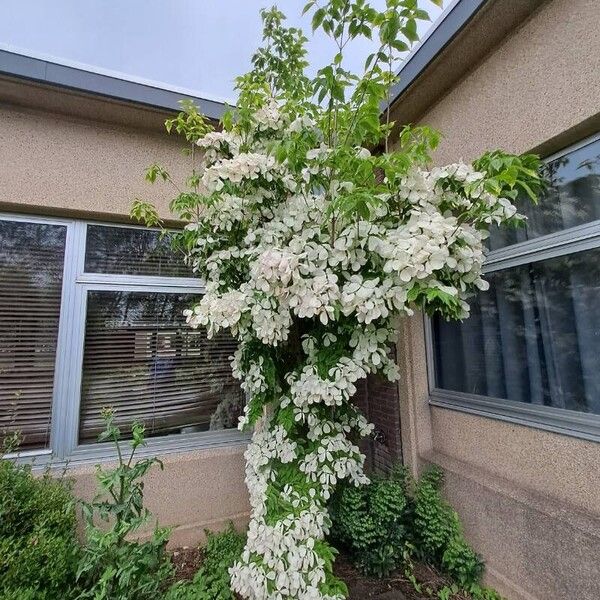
<point x="187" y="562"/>
<point x="395" y="587"/>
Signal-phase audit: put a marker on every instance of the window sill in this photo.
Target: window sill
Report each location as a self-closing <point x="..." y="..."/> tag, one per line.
<point x="580" y="425"/>
<point x="28" y="455"/>
<point x="90" y="454"/>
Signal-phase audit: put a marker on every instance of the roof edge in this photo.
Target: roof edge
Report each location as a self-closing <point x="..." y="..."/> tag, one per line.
<point x="433" y="44"/>
<point x="101" y="84"/>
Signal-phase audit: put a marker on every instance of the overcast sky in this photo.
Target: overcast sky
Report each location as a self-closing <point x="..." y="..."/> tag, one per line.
<point x="199" y="45"/>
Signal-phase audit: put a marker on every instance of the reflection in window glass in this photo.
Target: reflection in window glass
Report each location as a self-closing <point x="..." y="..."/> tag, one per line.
<point x="31" y="272"/>
<point x="572" y="198"/>
<point x="534" y="336"/>
<point x="141" y="359"/>
<point x="132" y="251"/>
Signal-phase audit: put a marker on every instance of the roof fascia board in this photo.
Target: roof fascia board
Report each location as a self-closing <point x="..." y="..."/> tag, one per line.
<point x="458" y="17"/>
<point x="44" y="71"/>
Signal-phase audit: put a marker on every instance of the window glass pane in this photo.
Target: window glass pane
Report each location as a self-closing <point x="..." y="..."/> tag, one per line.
<point x="31" y="271"/>
<point x="132" y="251"/>
<point x="534" y="336"/>
<point x="572" y="198"/>
<point x="142" y="359"/>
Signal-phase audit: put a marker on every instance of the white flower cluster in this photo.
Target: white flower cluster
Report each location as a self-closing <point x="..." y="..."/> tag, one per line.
<point x="273" y="270"/>
<point x="235" y="170"/>
<point x="311" y="389"/>
<point x="269" y="117"/>
<point x="279" y="273"/>
<point x="336" y="458"/>
<point x="280" y="560"/>
<point x="271" y="320"/>
<point x="217" y="311"/>
<point x="216" y="143"/>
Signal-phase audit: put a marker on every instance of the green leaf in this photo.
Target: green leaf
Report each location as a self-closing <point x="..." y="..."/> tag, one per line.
<point x="146" y="213"/>
<point x="318" y="17"/>
<point x="400" y="46"/>
<point x="410" y="30"/>
<point x="308" y="6"/>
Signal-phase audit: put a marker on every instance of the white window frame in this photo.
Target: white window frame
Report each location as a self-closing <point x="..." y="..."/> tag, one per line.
<point x="64" y="444"/>
<point x="558" y="420"/>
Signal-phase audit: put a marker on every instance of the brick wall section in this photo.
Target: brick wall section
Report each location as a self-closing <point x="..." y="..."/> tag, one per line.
<point x="379" y="401"/>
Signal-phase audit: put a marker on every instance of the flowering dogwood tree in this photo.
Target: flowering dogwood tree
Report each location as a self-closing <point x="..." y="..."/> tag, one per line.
<point x="315" y="223"/>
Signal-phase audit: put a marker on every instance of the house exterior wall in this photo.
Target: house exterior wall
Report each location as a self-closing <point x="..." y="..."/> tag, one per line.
<point x="196" y="490"/>
<point x="54" y="163"/>
<point x="61" y="164"/>
<point x="377" y="398"/>
<point x="528" y="498"/>
<point x="538" y="84"/>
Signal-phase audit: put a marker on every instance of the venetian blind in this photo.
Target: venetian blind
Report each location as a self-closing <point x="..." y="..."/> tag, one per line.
<point x="129" y="251"/>
<point x="142" y="360"/>
<point x="31" y="270"/>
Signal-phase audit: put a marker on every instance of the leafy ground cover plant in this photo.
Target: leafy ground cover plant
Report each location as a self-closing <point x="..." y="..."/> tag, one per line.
<point x="393" y="521"/>
<point x="310" y="246"/>
<point x="438" y="537"/>
<point x="113" y="565"/>
<point x="38" y="544"/>
<point x="212" y="581"/>
<point x="371" y="522"/>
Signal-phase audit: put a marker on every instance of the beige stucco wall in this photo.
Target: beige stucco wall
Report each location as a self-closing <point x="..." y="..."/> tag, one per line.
<point x="530" y="499"/>
<point x="539" y="83"/>
<point x="61" y="164"/>
<point x="196" y="490"/>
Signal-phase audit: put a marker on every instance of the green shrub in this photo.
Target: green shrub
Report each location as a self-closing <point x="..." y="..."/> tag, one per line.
<point x="113" y="565"/>
<point x="370" y="523"/>
<point x="38" y="543"/>
<point x="435" y="523"/>
<point x="211" y="582"/>
<point x="384" y="524"/>
<point x="462" y="562"/>
<point x="438" y="536"/>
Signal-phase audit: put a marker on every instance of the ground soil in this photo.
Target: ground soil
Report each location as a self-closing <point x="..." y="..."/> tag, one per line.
<point x="187" y="562"/>
<point x="395" y="587"/>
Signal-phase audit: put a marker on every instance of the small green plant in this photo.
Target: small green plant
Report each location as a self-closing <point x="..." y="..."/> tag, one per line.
<point x="439" y="539"/>
<point x="435" y="523"/>
<point x="113" y="565"/>
<point x="393" y="521"/>
<point x="370" y="522"/>
<point x="38" y="543"/>
<point x="212" y="581"/>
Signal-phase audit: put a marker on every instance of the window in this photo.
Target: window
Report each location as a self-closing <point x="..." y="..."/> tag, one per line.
<point x="31" y="272"/>
<point x="143" y="360"/>
<point x="529" y="350"/>
<point x="126" y="251"/>
<point x="92" y="317"/>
